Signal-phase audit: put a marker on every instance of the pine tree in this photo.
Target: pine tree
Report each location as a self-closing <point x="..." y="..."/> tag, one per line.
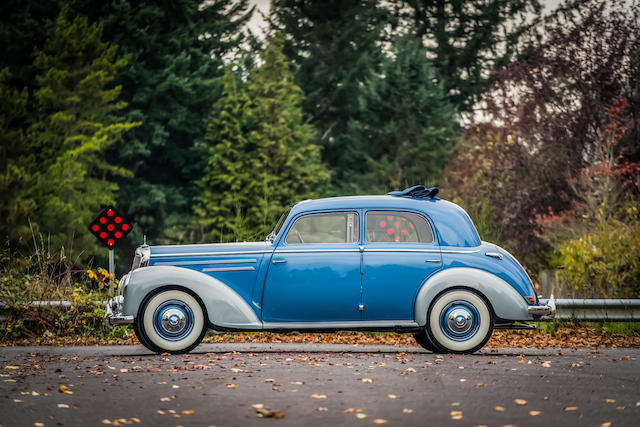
<point x="408" y="128"/>
<point x="77" y="119"/>
<point x="15" y="166"/>
<point x="335" y="47"/>
<point x="223" y="199"/>
<point x="287" y="164"/>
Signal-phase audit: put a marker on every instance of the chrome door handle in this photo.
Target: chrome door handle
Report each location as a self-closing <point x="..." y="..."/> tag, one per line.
<point x="495" y="255"/>
<point x="278" y="261"/>
<point x="435" y="261"/>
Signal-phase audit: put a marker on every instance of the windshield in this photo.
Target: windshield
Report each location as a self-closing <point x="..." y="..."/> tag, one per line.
<point x="276" y="230"/>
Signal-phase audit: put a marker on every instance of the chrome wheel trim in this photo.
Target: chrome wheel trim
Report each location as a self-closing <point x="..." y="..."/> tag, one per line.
<point x="173" y="320"/>
<point x="459" y="320"/>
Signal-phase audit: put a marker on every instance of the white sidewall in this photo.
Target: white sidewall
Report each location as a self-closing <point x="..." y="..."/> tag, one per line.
<point x="483" y="311"/>
<point x="150" y="331"/>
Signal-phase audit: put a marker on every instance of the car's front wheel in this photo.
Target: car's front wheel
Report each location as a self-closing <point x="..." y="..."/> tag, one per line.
<point x="459" y="321"/>
<point x="171" y="320"/>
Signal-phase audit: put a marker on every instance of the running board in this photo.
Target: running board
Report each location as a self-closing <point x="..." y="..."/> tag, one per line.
<point x="514" y="326"/>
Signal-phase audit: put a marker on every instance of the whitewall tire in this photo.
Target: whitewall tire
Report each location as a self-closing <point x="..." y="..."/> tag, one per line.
<point x="459" y="321"/>
<point x="171" y="320"/>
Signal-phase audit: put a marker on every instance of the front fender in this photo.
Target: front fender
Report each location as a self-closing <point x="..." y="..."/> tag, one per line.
<point x="506" y="302"/>
<point x="224" y="306"/>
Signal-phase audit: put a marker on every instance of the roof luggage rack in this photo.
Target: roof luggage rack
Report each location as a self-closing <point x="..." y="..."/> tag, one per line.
<point x="419" y="191"/>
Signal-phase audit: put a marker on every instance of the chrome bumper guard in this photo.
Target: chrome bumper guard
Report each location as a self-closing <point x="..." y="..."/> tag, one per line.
<point x="546" y="308"/>
<point x="113" y="312"/>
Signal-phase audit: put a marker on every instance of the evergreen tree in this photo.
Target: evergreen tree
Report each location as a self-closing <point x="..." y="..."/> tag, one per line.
<point x="15" y="165"/>
<point x="287" y="163"/>
<point x="335" y="47"/>
<point x="408" y="128"/>
<point x="77" y="119"/>
<point x="468" y="39"/>
<point x="223" y="198"/>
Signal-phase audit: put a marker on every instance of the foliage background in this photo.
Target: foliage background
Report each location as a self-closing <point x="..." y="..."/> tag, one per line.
<point x="199" y="130"/>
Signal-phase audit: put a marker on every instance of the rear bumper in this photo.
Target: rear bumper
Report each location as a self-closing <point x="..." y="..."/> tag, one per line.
<point x="545" y="308"/>
<point x="113" y="312"/>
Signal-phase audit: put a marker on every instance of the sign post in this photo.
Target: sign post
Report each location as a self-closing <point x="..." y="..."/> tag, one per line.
<point x="110" y="228"/>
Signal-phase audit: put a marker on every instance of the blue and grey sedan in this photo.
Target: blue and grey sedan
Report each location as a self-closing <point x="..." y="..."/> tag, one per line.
<point x="406" y="262"/>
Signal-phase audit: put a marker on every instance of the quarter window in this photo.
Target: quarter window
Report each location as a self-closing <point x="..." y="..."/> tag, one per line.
<point x="339" y="227"/>
<point x="397" y="227"/>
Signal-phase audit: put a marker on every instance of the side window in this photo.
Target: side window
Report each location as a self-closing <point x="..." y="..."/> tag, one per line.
<point x="339" y="227"/>
<point x="397" y="227"/>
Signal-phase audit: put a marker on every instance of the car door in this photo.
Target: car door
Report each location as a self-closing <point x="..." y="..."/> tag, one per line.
<point x="314" y="274"/>
<point x="400" y="252"/>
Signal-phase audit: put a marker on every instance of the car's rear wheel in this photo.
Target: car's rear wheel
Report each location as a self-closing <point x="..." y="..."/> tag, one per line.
<point x="459" y="321"/>
<point x="171" y="320"/>
<point x="422" y="339"/>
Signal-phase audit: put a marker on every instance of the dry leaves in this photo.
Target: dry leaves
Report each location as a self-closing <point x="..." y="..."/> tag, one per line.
<point x="520" y="402"/>
<point x="407" y="411"/>
<point x="318" y="396"/>
<point x="534" y="413"/>
<point x="392" y="396"/>
<point x="456" y="415"/>
<point x="64" y="389"/>
<point x="380" y="421"/>
<point x="570" y="408"/>
<point x="499" y="408"/>
<point x="367" y="380"/>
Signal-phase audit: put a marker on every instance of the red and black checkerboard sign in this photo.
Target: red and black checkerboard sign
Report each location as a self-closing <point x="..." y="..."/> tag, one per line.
<point x="110" y="227"/>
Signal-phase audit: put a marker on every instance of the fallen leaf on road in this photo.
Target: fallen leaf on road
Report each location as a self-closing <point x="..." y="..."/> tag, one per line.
<point x="36" y="424"/>
<point x="160" y="411"/>
<point x="64" y="389"/>
<point x="367" y="380"/>
<point x="607" y="424"/>
<point x="392" y="396"/>
<point x="269" y="380"/>
<point x="11" y="367"/>
<point x="361" y="416"/>
<point x="319" y="396"/>
<point x="380" y="421"/>
<point x="407" y="411"/>
<point x="481" y="384"/>
<point x="462" y="380"/>
<point x="257" y="405"/>
<point x="63" y="405"/>
<point x="268" y="413"/>
<point x="407" y="371"/>
<point x="351" y="410"/>
<point x="456" y="415"/>
<point x="624" y="358"/>
<point x="106" y="421"/>
<point x="499" y="408"/>
<point x="570" y="408"/>
<point x="546" y="364"/>
<point x="520" y="402"/>
<point x="610" y="400"/>
<point x="322" y="409"/>
<point x="297" y="382"/>
<point x="134" y="420"/>
<point x="165" y="399"/>
<point x="232" y="385"/>
<point x="188" y="412"/>
<point x="534" y="413"/>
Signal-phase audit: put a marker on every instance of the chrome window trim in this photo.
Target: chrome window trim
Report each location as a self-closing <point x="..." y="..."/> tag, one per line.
<point x="207" y="270"/>
<point x="199" y="254"/>
<point x="429" y="251"/>
<point x="293" y="251"/>
<point x="338" y="212"/>
<point x="218" y="261"/>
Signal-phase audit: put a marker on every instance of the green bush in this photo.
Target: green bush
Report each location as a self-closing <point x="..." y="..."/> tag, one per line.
<point x="605" y="262"/>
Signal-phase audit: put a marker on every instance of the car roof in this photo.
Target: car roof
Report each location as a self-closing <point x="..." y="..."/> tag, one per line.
<point x="452" y="223"/>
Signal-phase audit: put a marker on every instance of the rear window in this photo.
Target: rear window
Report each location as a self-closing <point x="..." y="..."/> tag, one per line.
<point x="397" y="227"/>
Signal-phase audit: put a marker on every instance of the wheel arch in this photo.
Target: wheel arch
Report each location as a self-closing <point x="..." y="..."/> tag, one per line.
<point x="504" y="301"/>
<point x="223" y="306"/>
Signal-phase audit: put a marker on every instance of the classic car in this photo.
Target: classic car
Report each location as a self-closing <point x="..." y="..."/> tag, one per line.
<point x="407" y="262"/>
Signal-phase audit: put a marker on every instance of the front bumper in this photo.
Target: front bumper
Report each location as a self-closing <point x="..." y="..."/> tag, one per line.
<point x="545" y="308"/>
<point x="113" y="312"/>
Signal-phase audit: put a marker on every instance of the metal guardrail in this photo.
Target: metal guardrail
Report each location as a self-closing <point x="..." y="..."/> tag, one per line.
<point x="611" y="310"/>
<point x="595" y="310"/>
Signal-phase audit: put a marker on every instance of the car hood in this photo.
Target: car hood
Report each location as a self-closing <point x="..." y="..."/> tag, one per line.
<point x="170" y="251"/>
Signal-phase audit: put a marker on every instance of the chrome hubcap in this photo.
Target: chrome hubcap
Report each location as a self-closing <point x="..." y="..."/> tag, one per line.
<point x="459" y="320"/>
<point x="173" y="320"/>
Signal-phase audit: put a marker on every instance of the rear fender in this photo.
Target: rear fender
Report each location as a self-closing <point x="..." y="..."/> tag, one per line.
<point x="506" y="302"/>
<point x="226" y="309"/>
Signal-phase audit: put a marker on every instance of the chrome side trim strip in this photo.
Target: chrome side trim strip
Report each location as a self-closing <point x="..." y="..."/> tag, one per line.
<point x="207" y="270"/>
<point x="198" y="254"/>
<point x="218" y="261"/>
<point x="294" y="251"/>
<point x="341" y="325"/>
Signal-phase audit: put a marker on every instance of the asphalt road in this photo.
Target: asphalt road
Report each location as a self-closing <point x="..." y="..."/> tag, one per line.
<point x="317" y="385"/>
